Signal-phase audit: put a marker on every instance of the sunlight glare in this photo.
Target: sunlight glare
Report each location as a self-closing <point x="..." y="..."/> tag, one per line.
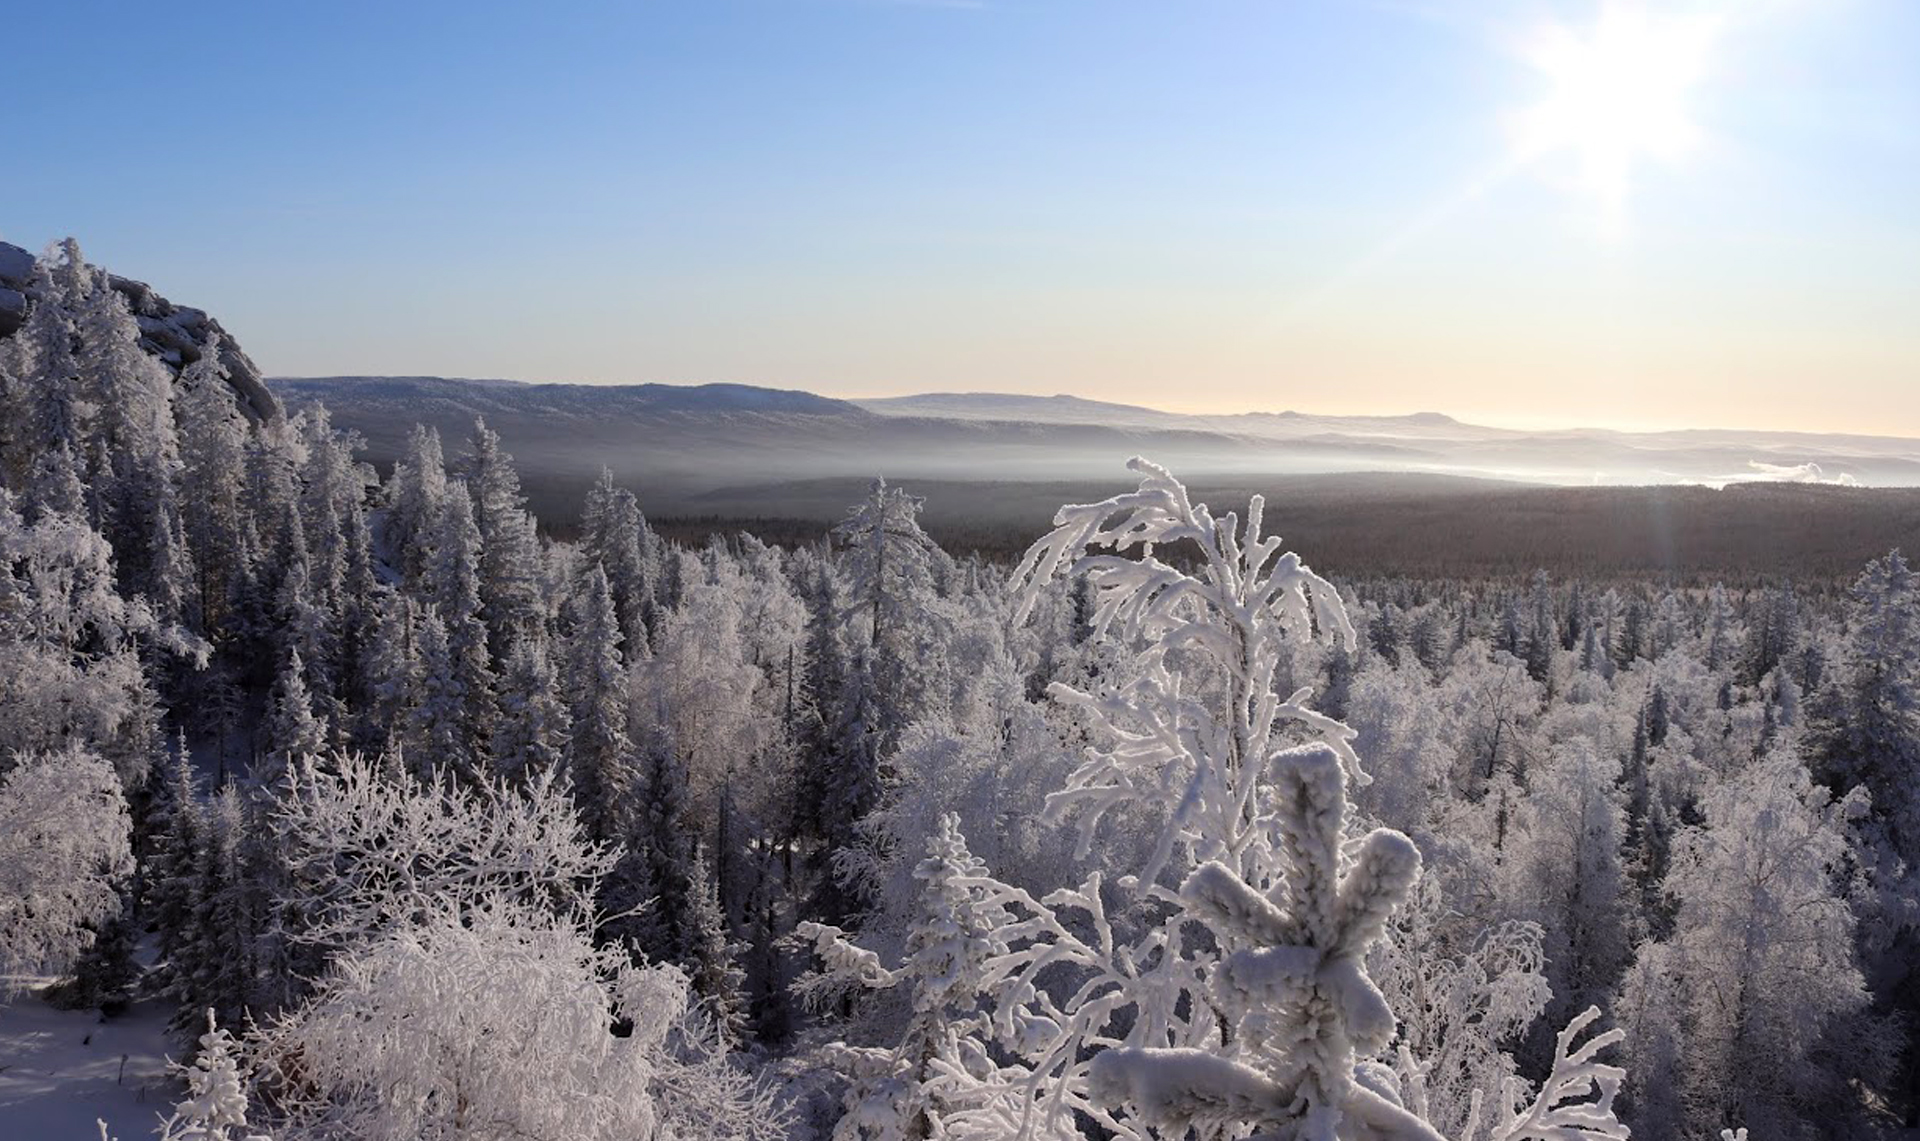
<point x="1619" y="93"/>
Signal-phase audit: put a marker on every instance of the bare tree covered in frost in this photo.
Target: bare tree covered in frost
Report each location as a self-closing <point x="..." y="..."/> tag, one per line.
<point x="365" y="852"/>
<point x="494" y="1022"/>
<point x="1220" y="989"/>
<point x="64" y="856"/>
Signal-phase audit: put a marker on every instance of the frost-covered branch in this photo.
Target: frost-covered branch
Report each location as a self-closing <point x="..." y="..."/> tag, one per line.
<point x="364" y="851"/>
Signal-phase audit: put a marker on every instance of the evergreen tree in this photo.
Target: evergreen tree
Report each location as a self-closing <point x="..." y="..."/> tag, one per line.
<point x="213" y="450"/>
<point x="889" y="559"/>
<point x="178" y="825"/>
<point x="1543" y="631"/>
<point x="440" y="738"/>
<point x="615" y="537"/>
<point x="467" y="687"/>
<point x="1384" y="633"/>
<point x="291" y="733"/>
<point x="531" y="735"/>
<point x="512" y="593"/>
<point x="600" y="751"/>
<point x="415" y="493"/>
<point x="217" y="959"/>
<point x="215" y="1108"/>
<point x="392" y="670"/>
<point x="1865" y="739"/>
<point x="711" y="956"/>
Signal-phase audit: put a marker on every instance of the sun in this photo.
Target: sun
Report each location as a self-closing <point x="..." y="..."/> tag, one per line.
<point x="1619" y="93"/>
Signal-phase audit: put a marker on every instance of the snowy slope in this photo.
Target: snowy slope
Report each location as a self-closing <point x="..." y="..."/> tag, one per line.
<point x="60" y="1070"/>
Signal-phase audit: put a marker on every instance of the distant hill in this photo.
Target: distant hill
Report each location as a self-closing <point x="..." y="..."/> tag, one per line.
<point x="1418" y="494"/>
<point x="677" y="442"/>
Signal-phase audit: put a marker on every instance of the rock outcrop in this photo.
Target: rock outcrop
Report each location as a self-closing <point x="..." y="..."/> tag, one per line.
<point x="172" y="333"/>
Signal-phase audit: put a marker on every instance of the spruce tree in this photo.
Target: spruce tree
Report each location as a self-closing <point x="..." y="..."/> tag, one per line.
<point x="600" y="751"/>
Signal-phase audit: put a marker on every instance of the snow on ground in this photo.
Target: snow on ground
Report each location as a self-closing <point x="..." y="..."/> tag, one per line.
<point x="62" y="1069"/>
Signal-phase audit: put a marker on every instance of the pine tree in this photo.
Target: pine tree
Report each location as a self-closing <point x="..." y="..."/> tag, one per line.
<point x="453" y="582"/>
<point x="958" y="931"/>
<point x="614" y="537"/>
<point x="531" y="735"/>
<point x="438" y="739"/>
<point x="178" y="825"/>
<point x="711" y="956"/>
<point x="1718" y="636"/>
<point x="1543" y="632"/>
<point x="133" y="431"/>
<point x="1385" y="634"/>
<point x="889" y="559"/>
<point x="1864" y="737"/>
<point x="105" y="974"/>
<point x="53" y="410"/>
<point x="291" y="732"/>
<point x="512" y="593"/>
<point x="215" y="1108"/>
<point x="213" y="449"/>
<point x="415" y="493"/>
<point x="1570" y="868"/>
<point x="600" y="751"/>
<point x="216" y="962"/>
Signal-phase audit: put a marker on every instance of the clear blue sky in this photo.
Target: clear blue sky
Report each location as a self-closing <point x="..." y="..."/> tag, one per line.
<point x="1208" y="204"/>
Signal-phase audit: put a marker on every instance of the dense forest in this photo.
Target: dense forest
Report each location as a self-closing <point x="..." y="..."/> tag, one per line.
<point x="431" y="824"/>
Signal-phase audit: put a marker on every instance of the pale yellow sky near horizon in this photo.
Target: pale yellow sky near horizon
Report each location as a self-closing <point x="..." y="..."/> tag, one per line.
<point x="1614" y="213"/>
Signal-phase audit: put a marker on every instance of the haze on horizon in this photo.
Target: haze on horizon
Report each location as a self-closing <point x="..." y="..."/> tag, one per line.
<point x="1692" y="214"/>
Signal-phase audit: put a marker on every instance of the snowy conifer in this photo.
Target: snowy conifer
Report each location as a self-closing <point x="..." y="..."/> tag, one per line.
<point x="215" y="1108"/>
<point x="600" y="752"/>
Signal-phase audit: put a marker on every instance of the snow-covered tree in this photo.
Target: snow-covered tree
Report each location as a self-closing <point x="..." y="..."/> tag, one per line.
<point x="614" y="536"/>
<point x="1565" y="863"/>
<point x="213" y="444"/>
<point x="291" y="733"/>
<point x="888" y="556"/>
<point x="956" y="931"/>
<point x="65" y="858"/>
<point x="1865" y="735"/>
<point x="464" y="682"/>
<point x="215" y="1108"/>
<point x="711" y="957"/>
<point x="1266" y="1021"/>
<point x="512" y="588"/>
<point x="600" y="752"/>
<point x="400" y="1043"/>
<point x="415" y="493"/>
<point x="1761" y="963"/>
<point x="366" y="851"/>
<point x="531" y="735"/>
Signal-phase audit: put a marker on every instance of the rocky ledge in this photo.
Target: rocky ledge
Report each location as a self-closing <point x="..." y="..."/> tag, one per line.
<point x="172" y="333"/>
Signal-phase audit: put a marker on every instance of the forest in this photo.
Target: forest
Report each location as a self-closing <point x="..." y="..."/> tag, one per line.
<point x="426" y="820"/>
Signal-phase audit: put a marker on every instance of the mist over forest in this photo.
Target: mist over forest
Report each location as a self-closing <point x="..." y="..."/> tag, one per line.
<point x="1379" y="495"/>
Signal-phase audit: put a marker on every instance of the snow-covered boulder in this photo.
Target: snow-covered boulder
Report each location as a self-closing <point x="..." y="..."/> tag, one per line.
<point x="16" y="266"/>
<point x="172" y="333"/>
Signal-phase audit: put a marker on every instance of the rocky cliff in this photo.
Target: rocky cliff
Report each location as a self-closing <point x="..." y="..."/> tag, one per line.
<point x="172" y="333"/>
